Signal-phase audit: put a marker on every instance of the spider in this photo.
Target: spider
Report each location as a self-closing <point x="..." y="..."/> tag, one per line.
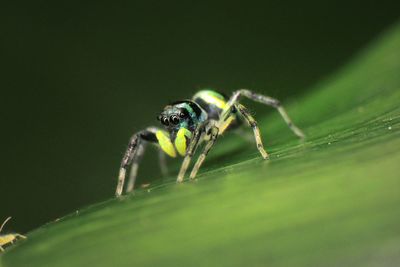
<point x="190" y="122"/>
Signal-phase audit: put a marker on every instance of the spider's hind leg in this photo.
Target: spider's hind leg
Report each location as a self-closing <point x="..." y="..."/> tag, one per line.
<point x="253" y="124"/>
<point x="266" y="100"/>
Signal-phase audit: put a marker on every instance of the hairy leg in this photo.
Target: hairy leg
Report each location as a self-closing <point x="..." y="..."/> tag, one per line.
<point x="135" y="166"/>
<point x="213" y="133"/>
<point x="190" y="151"/>
<point x="264" y="100"/>
<point x="134" y="145"/>
<point x="253" y="124"/>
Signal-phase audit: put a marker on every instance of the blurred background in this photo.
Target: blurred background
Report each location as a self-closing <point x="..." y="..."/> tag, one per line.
<point x="79" y="78"/>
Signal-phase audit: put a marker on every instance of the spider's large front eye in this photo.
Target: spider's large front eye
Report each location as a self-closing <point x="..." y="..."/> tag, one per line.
<point x="184" y="113"/>
<point x="174" y="119"/>
<point x="165" y="121"/>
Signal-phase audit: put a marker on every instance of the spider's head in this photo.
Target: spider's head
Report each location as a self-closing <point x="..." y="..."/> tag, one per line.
<point x="183" y="114"/>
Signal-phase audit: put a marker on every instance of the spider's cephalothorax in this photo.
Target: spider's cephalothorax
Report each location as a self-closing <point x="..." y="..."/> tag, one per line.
<point x="188" y="123"/>
<point x="180" y="114"/>
<point x="180" y="120"/>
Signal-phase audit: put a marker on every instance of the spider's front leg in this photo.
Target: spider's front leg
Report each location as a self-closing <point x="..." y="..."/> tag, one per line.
<point x="132" y="157"/>
<point x="194" y="142"/>
<point x="213" y="134"/>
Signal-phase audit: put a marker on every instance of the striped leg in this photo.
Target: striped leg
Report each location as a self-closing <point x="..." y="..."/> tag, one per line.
<point x="264" y="100"/>
<point x="135" y="145"/>
<point x="135" y="166"/>
<point x="213" y="132"/>
<point x="190" y="151"/>
<point x="253" y="124"/>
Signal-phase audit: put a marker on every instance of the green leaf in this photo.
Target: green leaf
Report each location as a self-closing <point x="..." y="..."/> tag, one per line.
<point x="332" y="200"/>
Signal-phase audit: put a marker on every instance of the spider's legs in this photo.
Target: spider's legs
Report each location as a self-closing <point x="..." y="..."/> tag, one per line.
<point x="190" y="151"/>
<point x="253" y="124"/>
<point x="135" y="166"/>
<point x="126" y="160"/>
<point x="213" y="134"/>
<point x="1" y="249"/>
<point x="264" y="100"/>
<point x="134" y="145"/>
<point x="163" y="162"/>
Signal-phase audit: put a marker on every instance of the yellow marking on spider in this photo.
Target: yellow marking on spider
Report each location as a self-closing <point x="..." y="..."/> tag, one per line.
<point x="165" y="143"/>
<point x="180" y="140"/>
<point x="211" y="98"/>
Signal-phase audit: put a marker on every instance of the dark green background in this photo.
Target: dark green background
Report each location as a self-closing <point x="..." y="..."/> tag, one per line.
<point x="79" y="78"/>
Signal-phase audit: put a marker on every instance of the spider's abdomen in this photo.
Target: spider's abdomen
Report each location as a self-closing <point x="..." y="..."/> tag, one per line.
<point x="212" y="102"/>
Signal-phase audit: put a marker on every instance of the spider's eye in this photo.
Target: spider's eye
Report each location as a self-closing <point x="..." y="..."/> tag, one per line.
<point x="184" y="113"/>
<point x="165" y="121"/>
<point x="174" y="119"/>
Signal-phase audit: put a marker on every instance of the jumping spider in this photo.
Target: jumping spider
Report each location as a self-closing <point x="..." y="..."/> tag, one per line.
<point x="188" y="123"/>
